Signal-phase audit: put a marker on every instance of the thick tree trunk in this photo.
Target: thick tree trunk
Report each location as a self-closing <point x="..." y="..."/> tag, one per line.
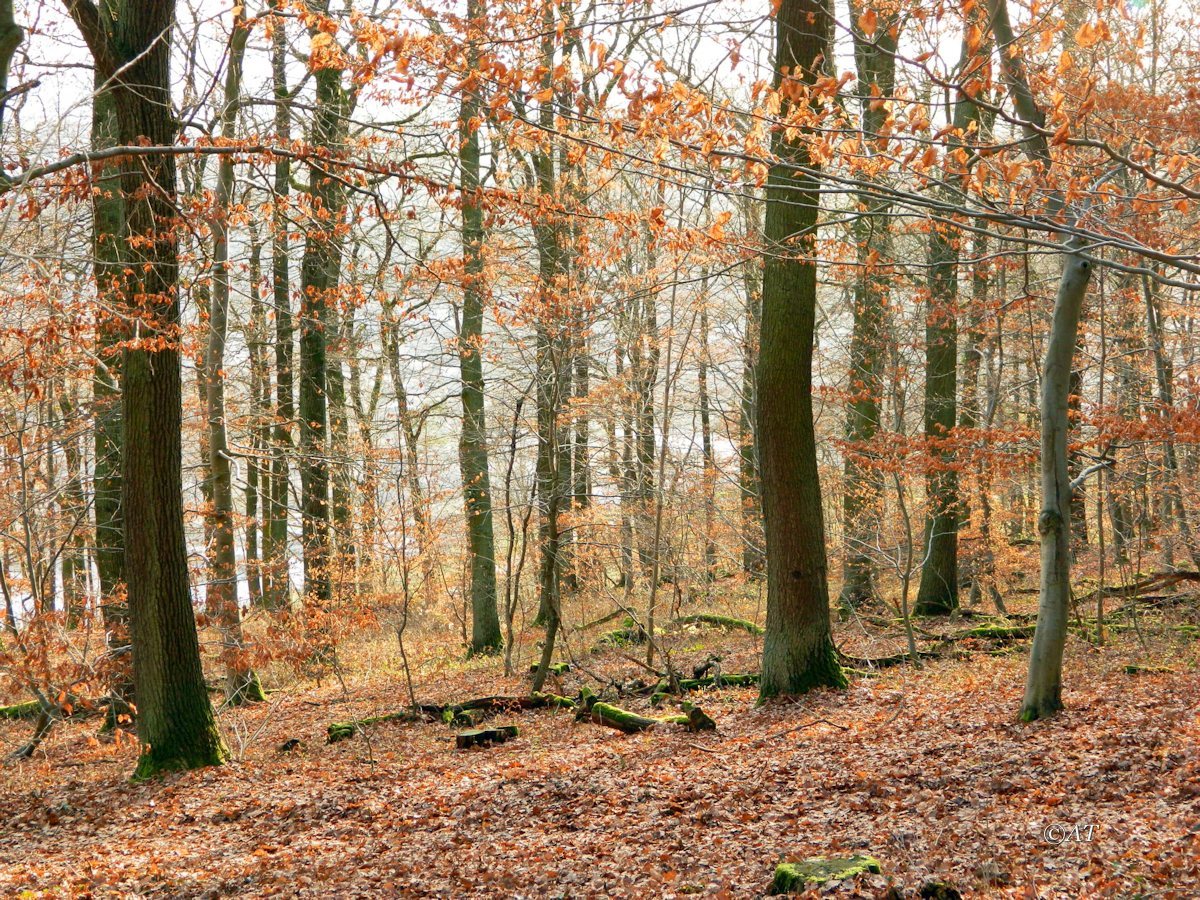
<point x="473" y="444"/>
<point x="798" y="651"/>
<point x="175" y="720"/>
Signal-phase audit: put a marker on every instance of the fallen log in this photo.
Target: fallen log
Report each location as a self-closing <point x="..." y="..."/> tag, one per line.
<point x="727" y="622"/>
<point x="451" y="714"/>
<point x="481" y="737"/>
<point x="663" y="689"/>
<point x="869" y="663"/>
<point x="630" y="634"/>
<point x="340" y="731"/>
<point x="628" y="722"/>
<point x="1158" y="581"/>
<point x="27" y="710"/>
<point x="994" y="632"/>
<point x="555" y="668"/>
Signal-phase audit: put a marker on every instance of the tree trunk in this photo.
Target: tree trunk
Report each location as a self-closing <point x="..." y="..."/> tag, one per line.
<point x="798" y="651"/>
<point x="938" y="591"/>
<point x="706" y="441"/>
<point x="473" y="444"/>
<point x="875" y="56"/>
<point x="320" y="274"/>
<point x="241" y="684"/>
<point x="277" y="579"/>
<point x="1043" y="684"/>
<point x="175" y="720"/>
<point x="255" y="334"/>
<point x="749" y="482"/>
<point x="108" y="252"/>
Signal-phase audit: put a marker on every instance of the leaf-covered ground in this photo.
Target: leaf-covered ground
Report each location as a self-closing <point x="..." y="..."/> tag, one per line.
<point x="925" y="769"/>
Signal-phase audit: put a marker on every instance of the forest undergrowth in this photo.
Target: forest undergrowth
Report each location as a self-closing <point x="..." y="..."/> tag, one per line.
<point x="926" y="769"/>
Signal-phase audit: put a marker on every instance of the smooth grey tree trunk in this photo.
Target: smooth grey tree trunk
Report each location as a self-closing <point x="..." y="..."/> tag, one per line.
<point x="1043" y="684"/>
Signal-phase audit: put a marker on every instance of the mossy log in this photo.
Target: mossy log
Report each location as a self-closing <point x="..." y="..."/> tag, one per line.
<point x="727" y="622"/>
<point x="453" y="714"/>
<point x="629" y="722"/>
<point x="1135" y="669"/>
<point x="340" y="731"/>
<point x="791" y="877"/>
<point x="995" y="632"/>
<point x="661" y="690"/>
<point x="555" y="668"/>
<point x="629" y="634"/>
<point x="28" y="710"/>
<point x="480" y="737"/>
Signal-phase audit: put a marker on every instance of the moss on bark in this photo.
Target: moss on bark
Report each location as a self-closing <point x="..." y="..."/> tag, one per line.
<point x="820" y="669"/>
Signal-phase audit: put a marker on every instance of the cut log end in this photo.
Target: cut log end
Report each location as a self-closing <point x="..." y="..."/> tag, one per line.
<point x="482" y="737"/>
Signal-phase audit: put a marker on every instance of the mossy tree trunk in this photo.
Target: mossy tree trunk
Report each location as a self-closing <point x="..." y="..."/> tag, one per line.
<point x="320" y="275"/>
<point x="798" y="651"/>
<point x="108" y="253"/>
<point x="875" y="58"/>
<point x="276" y="579"/>
<point x="473" y="444"/>
<point x="175" y="719"/>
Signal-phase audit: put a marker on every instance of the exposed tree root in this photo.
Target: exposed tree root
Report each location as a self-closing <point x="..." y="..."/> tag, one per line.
<point x="45" y="722"/>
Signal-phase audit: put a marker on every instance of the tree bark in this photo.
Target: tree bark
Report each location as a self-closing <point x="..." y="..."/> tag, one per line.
<point x="108" y="252"/>
<point x="320" y="274"/>
<point x="1043" y="684"/>
<point x="175" y="720"/>
<point x="798" y="651"/>
<point x="473" y="444"/>
<point x="875" y="56"/>
<point x="277" y="580"/>
<point x="241" y="683"/>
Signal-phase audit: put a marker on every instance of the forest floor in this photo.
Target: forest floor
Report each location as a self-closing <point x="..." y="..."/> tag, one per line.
<point x="926" y="769"/>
